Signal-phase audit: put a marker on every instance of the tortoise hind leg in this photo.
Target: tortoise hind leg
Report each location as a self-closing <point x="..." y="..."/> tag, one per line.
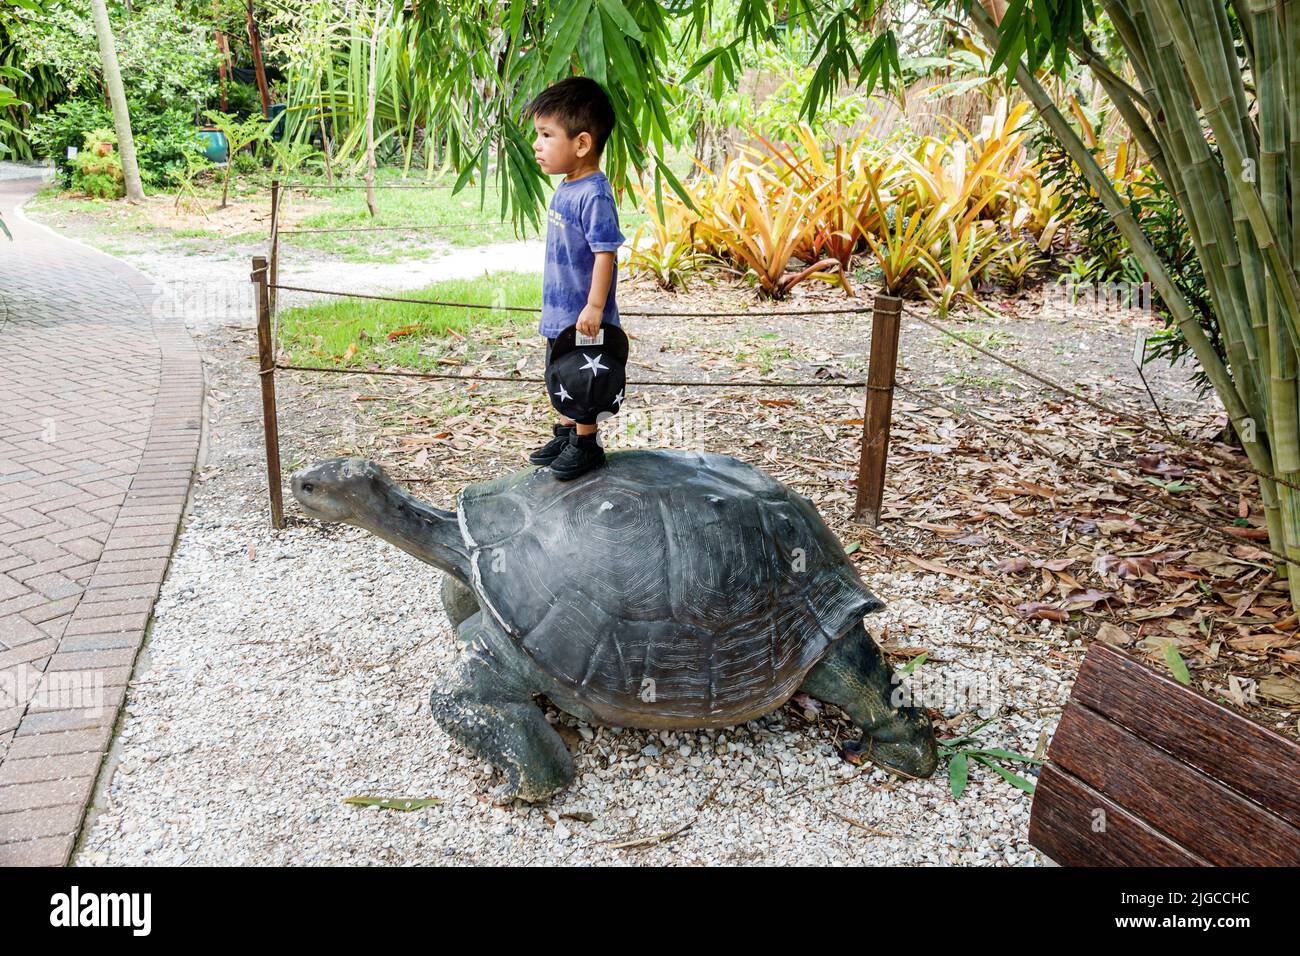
<point x="488" y="714"/>
<point x="855" y="676"/>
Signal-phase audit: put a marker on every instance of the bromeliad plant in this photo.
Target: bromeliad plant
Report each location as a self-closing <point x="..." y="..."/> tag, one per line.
<point x="966" y="254"/>
<point x="907" y="237"/>
<point x="932" y="212"/>
<point x="665" y="248"/>
<point x="1014" y="261"/>
<point x="849" y="212"/>
<point x="761" y="222"/>
<point x="1037" y="209"/>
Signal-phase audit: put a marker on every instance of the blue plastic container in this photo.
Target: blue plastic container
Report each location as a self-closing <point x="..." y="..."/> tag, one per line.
<point x="215" y="145"/>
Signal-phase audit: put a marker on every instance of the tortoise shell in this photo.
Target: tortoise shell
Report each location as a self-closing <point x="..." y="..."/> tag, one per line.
<point x="669" y="583"/>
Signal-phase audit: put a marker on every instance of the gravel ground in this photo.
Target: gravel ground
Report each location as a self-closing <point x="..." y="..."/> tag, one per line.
<point x="286" y="672"/>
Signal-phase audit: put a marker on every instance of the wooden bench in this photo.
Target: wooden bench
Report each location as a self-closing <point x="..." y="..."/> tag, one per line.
<point x="1143" y="771"/>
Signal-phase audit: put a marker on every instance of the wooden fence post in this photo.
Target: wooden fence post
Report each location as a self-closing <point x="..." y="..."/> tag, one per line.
<point x="266" y="372"/>
<point x="275" y="240"/>
<point x="885" y="321"/>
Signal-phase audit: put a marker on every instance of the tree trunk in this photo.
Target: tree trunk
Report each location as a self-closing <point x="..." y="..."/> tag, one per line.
<point x="223" y="48"/>
<point x="117" y="96"/>
<point x="370" y="115"/>
<point x="255" y="41"/>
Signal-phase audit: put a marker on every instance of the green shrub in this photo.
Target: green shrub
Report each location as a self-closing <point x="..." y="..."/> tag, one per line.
<point x="64" y="126"/>
<point x="246" y="162"/>
<point x="243" y="99"/>
<point x="164" y="142"/>
<point x="97" y="168"/>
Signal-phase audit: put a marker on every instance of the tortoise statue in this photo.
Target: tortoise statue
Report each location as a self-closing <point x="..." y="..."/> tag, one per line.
<point x="668" y="590"/>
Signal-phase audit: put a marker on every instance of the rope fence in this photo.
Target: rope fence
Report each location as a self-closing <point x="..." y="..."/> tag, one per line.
<point x="878" y="385"/>
<point x="633" y="313"/>
<point x="910" y="313"/>
<point x="476" y="377"/>
<point x="429" y="228"/>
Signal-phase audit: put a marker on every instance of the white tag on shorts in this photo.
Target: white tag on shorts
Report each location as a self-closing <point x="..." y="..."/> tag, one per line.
<point x="580" y="339"/>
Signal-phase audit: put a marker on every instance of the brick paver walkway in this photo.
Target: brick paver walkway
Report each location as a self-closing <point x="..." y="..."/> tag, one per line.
<point x="100" y="416"/>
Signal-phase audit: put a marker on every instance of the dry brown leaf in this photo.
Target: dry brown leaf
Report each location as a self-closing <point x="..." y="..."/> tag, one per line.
<point x="1114" y="635"/>
<point x="1280" y="689"/>
<point x="940" y="569"/>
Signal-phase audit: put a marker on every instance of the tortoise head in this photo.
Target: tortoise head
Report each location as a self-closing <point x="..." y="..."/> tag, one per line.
<point x="342" y="489"/>
<point x="357" y="491"/>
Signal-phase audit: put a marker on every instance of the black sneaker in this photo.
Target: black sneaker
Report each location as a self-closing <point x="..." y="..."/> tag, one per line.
<point x="582" y="454"/>
<point x="551" y="450"/>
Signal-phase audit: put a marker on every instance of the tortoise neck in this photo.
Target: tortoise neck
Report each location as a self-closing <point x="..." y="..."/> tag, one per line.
<point x="429" y="533"/>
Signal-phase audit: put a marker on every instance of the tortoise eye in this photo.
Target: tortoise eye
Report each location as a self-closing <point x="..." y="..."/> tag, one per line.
<point x="306" y="486"/>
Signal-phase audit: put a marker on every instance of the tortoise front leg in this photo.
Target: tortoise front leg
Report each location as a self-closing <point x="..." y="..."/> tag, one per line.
<point x="459" y="601"/>
<point x="855" y="677"/>
<point x="495" y="719"/>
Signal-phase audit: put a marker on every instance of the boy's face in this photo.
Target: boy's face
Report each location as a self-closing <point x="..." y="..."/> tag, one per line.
<point x="554" y="151"/>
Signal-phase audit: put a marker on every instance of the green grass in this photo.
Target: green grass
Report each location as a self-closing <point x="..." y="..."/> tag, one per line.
<point x="984" y="338"/>
<point x="968" y="379"/>
<point x="765" y="352"/>
<point x="436" y="216"/>
<point x="196" y="234"/>
<point x="459" y="219"/>
<point x="325" y="333"/>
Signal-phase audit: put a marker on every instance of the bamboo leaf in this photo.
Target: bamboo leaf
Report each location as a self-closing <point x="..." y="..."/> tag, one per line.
<point x="624" y="64"/>
<point x="1010" y="36"/>
<point x="593" y="46"/>
<point x="1015" y="780"/>
<point x="565" y="31"/>
<point x="661" y="166"/>
<point x="1177" y="666"/>
<point x="958" y="771"/>
<point x="699" y="65"/>
<point x="615" y="10"/>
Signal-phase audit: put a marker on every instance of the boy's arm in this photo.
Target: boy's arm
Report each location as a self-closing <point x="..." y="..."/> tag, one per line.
<point x="602" y="277"/>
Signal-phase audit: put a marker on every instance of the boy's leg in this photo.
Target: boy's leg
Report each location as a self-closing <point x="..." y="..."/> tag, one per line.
<point x="560" y="431"/>
<point x="582" y="454"/>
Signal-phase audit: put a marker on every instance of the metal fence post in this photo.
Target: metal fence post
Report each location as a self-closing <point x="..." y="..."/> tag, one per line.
<point x="266" y="372"/>
<point x="876" y="415"/>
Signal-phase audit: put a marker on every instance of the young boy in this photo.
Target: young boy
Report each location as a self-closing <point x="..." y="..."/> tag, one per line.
<point x="573" y="119"/>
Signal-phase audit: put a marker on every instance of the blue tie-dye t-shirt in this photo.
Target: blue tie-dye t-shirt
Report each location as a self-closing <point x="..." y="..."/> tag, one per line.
<point x="582" y="221"/>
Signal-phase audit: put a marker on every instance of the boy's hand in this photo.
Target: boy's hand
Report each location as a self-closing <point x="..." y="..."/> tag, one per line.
<point x="589" y="319"/>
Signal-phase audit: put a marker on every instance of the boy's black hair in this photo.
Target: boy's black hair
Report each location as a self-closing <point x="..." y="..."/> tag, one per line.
<point x="580" y="104"/>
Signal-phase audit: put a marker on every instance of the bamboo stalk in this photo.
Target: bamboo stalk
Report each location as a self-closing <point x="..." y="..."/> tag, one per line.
<point x="1146" y="255"/>
<point x="1219" y="102"/>
<point x="370" y="114"/>
<point x="1231" y="284"/>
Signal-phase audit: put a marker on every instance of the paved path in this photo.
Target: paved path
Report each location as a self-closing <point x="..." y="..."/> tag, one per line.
<point x="100" y="417"/>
